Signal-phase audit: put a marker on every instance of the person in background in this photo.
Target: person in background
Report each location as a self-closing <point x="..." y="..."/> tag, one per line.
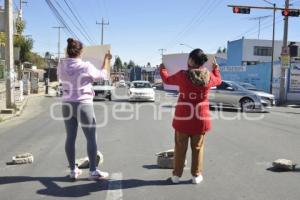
<point x="77" y="78"/>
<point x="192" y="118"/>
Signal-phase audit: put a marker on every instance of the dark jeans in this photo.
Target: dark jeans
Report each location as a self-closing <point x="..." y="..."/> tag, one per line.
<point x="75" y="113"/>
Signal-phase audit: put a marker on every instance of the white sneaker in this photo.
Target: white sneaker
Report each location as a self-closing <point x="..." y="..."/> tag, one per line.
<point x="175" y="179"/>
<point x="197" y="179"/>
<point x="74" y="174"/>
<point x="97" y="174"/>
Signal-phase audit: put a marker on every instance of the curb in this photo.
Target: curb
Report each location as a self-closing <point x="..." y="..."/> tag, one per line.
<point x="21" y="108"/>
<point x="18" y="112"/>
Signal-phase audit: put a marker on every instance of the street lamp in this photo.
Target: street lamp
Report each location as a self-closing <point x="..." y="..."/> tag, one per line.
<point x="189" y="46"/>
<point x="273" y="44"/>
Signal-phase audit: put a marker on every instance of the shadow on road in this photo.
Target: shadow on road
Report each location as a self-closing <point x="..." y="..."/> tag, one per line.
<point x="81" y="190"/>
<point x="151" y="167"/>
<point x="273" y="169"/>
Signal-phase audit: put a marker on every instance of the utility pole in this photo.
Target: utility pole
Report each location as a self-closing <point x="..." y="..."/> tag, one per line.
<point x="162" y="53"/>
<point x="102" y="28"/>
<point x="273" y="49"/>
<point x="259" y="22"/>
<point x="58" y="43"/>
<point x="282" y="92"/>
<point x="9" y="54"/>
<point x="21" y="8"/>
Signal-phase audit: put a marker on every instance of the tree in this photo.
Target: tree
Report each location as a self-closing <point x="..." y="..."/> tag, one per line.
<point x="125" y="65"/>
<point x="25" y="44"/>
<point x="219" y="50"/>
<point x="2" y="38"/>
<point x="130" y="64"/>
<point x="118" y="64"/>
<point x="224" y="50"/>
<point x="20" y="26"/>
<point x="37" y="60"/>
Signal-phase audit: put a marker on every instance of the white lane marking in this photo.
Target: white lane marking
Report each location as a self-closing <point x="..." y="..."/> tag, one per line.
<point x="115" y="187"/>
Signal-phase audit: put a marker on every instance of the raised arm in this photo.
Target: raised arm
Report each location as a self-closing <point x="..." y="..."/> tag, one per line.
<point x="95" y="73"/>
<point x="170" y="80"/>
<point x="215" y="76"/>
<point x="107" y="56"/>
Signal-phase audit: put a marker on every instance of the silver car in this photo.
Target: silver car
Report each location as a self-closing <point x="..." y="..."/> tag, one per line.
<point x="240" y="95"/>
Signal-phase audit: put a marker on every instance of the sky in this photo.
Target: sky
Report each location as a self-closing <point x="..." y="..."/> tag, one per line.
<point x="138" y="29"/>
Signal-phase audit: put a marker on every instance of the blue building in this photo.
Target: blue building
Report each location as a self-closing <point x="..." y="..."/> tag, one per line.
<point x="252" y="52"/>
<point x="249" y="60"/>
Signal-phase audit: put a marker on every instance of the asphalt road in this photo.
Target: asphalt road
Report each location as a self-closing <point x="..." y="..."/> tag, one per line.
<point x="238" y="154"/>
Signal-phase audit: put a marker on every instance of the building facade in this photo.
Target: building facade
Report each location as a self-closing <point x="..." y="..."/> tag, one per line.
<point x="252" y="51"/>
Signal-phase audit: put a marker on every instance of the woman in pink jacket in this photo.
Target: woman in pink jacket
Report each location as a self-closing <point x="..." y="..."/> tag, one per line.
<point x="77" y="78"/>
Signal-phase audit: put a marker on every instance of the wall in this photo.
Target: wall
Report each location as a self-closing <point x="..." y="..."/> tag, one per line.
<point x="248" y="50"/>
<point x="258" y="75"/>
<point x="234" y="53"/>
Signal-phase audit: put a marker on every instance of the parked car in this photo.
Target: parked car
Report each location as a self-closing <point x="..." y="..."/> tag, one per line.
<point x="141" y="91"/>
<point x="234" y="95"/>
<point x="103" y="90"/>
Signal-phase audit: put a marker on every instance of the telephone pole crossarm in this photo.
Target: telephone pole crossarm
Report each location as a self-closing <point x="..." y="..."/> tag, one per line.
<point x="102" y="24"/>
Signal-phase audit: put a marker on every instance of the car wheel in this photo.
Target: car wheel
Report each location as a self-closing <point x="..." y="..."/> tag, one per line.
<point x="247" y="104"/>
<point x="109" y="97"/>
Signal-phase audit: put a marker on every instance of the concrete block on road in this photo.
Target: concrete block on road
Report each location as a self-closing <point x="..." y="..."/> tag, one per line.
<point x="26" y="158"/>
<point x="284" y="164"/>
<point x="83" y="163"/>
<point x="165" y="159"/>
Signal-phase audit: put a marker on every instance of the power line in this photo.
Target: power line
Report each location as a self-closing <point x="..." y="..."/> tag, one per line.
<point x="199" y="15"/>
<point x="60" y="19"/>
<point x="80" y="20"/>
<point x="15" y="4"/>
<point x="259" y="21"/>
<point x="76" y="18"/>
<point x="75" y="24"/>
<point x="202" y="18"/>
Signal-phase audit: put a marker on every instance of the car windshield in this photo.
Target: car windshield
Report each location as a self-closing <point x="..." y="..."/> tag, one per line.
<point x="236" y="86"/>
<point x="140" y="85"/>
<point x="102" y="82"/>
<point x="248" y="86"/>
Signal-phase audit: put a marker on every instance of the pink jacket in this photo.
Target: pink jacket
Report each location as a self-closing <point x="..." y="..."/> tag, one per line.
<point x="77" y="79"/>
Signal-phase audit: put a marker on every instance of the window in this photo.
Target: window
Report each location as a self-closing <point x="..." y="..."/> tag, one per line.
<point x="223" y="86"/>
<point x="262" y="51"/>
<point x="140" y="85"/>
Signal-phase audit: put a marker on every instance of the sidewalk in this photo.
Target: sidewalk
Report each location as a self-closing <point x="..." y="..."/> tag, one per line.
<point x="20" y="104"/>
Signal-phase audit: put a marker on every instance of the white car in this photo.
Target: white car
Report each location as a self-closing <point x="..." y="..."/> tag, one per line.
<point x="121" y="83"/>
<point x="103" y="90"/>
<point x="141" y="91"/>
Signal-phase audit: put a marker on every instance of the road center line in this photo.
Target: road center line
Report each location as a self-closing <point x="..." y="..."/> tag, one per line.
<point x="115" y="187"/>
